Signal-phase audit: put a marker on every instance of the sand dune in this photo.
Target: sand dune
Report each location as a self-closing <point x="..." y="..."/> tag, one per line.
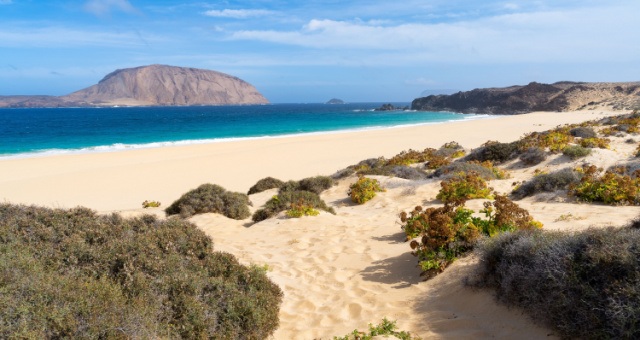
<point x="338" y="272"/>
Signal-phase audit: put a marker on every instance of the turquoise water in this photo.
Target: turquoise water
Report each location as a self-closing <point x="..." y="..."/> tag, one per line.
<point x="43" y="131"/>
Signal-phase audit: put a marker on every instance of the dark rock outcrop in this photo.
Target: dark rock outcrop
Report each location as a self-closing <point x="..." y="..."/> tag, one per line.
<point x="391" y="107"/>
<point x="561" y="96"/>
<point x="154" y="85"/>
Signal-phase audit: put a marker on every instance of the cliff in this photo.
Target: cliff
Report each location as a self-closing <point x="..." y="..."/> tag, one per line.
<point x="154" y="85"/>
<point x="561" y="96"/>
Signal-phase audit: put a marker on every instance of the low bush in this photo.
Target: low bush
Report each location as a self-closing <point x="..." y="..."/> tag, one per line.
<point x="495" y="152"/>
<point x="558" y="180"/>
<point x="300" y="209"/>
<point x="150" y="204"/>
<point x="583" y="132"/>
<point x="576" y="151"/>
<point x="437" y="161"/>
<point x="555" y="140"/>
<point x="265" y="184"/>
<point x="383" y="329"/>
<point x="284" y="200"/>
<point x="613" y="187"/>
<point x="486" y="170"/>
<point x="364" y="189"/>
<point x="76" y="274"/>
<point x="316" y="184"/>
<point x="585" y="285"/>
<point x="450" y="150"/>
<point x="411" y="157"/>
<point x="533" y="156"/>
<point x="463" y="187"/>
<point x="602" y="143"/>
<point x="440" y="235"/>
<point x="211" y="198"/>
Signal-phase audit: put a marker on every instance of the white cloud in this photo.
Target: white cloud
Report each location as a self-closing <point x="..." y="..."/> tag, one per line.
<point x="238" y="13"/>
<point x="104" y="7"/>
<point x="6" y="2"/>
<point x="58" y="37"/>
<point x="580" y="35"/>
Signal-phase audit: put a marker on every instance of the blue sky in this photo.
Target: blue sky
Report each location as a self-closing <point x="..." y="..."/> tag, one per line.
<point x="312" y="51"/>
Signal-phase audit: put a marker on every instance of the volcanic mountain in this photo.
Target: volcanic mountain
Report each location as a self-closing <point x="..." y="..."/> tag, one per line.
<point x="153" y="85"/>
<point x="560" y="96"/>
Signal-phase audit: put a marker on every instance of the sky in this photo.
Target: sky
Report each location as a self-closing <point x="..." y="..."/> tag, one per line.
<point x="311" y="51"/>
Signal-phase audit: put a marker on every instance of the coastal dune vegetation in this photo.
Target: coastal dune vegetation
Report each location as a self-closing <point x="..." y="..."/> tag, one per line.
<point x="77" y="273"/>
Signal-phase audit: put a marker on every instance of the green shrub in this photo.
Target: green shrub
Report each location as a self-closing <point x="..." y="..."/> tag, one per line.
<point x="558" y="180"/>
<point x="265" y="184"/>
<point x="284" y="200"/>
<point x="384" y="328"/>
<point x="400" y="171"/>
<point x="451" y="150"/>
<point x="533" y="156"/>
<point x="440" y="235"/>
<point x="463" y="187"/>
<point x="556" y="139"/>
<point x="585" y="285"/>
<point x="150" y="204"/>
<point x="576" y="151"/>
<point x="316" y="184"/>
<point x="411" y="157"/>
<point x="437" y="161"/>
<point x="495" y="152"/>
<point x="364" y="189"/>
<point x="297" y="210"/>
<point x="76" y="274"/>
<point x="211" y="198"/>
<point x="485" y="170"/>
<point x="613" y="187"/>
<point x="595" y="142"/>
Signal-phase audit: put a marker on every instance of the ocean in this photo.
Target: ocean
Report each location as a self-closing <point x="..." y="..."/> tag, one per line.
<point x="47" y="131"/>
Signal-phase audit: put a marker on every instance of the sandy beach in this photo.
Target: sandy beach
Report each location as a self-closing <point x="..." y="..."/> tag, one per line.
<point x="338" y="272"/>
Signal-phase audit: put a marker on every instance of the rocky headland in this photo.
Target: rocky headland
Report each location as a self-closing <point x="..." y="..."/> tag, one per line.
<point x="153" y="85"/>
<point x="560" y="96"/>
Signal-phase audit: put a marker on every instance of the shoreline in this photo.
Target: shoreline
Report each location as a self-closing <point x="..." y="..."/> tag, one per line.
<point x="122" y="180"/>
<point x="117" y="147"/>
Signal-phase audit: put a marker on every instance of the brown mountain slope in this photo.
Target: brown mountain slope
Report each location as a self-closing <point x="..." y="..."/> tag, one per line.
<point x="154" y="85"/>
<point x="561" y="96"/>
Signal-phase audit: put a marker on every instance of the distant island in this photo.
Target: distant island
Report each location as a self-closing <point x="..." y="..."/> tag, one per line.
<point x="153" y="85"/>
<point x="335" y="101"/>
<point x="560" y="96"/>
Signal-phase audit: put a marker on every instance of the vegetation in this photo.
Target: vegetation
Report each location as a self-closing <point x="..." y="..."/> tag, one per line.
<point x="440" y="235"/>
<point x="286" y="200"/>
<point x="211" y="198"/>
<point x="576" y="151"/>
<point x="583" y="132"/>
<point x="76" y="274"/>
<point x="615" y="186"/>
<point x="297" y="210"/>
<point x="558" y="180"/>
<point x="384" y="328"/>
<point x="486" y="170"/>
<point x="463" y="187"/>
<point x="555" y="140"/>
<point x="584" y="285"/>
<point x="265" y="184"/>
<point x="601" y="143"/>
<point x="533" y="156"/>
<point x="495" y="152"/>
<point x="150" y="204"/>
<point x="364" y="189"/>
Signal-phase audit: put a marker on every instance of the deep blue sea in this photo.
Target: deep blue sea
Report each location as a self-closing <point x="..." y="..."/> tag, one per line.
<point x="44" y="131"/>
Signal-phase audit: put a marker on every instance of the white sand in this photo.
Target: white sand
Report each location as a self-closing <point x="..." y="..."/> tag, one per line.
<point x="337" y="272"/>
